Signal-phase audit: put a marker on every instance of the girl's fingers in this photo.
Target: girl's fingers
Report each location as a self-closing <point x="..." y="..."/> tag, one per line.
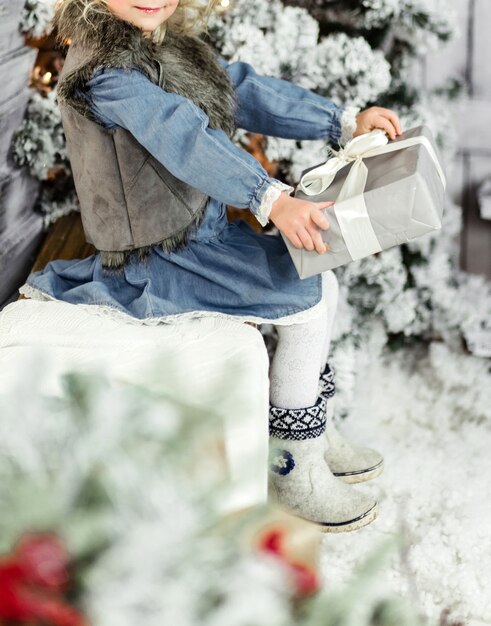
<point x="295" y="241"/>
<point x="386" y="125"/>
<point x="312" y="240"/>
<point x="319" y="245"/>
<point x="394" y="118"/>
<point x="301" y="241"/>
<point x="396" y="121"/>
<point x="318" y="216"/>
<point x="306" y="239"/>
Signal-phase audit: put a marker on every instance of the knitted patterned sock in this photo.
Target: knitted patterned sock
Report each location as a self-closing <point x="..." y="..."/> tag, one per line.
<point x="327" y="382"/>
<point x="298" y="424"/>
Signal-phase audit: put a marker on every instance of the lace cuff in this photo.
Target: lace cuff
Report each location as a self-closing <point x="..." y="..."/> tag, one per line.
<point x="270" y="196"/>
<point x="348" y="124"/>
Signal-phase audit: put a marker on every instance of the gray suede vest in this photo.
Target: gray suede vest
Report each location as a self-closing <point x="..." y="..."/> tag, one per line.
<point x="128" y="199"/>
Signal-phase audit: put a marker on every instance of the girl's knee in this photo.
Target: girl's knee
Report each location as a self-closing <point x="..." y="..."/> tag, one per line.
<point x="330" y="283"/>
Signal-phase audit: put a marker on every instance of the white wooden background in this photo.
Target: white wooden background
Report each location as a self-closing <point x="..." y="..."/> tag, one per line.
<point x="469" y="59"/>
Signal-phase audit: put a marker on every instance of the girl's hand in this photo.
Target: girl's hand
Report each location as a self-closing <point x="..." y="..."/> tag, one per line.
<point x="378" y="117"/>
<point x="300" y="220"/>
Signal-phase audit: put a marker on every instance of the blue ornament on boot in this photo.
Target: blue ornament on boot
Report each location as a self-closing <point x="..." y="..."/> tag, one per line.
<point x="282" y="462"/>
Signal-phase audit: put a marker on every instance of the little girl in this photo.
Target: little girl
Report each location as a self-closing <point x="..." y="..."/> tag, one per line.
<point x="149" y="109"/>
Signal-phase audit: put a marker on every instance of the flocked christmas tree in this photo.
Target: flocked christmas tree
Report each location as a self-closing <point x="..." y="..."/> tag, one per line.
<point x="357" y="53"/>
<point x="362" y="53"/>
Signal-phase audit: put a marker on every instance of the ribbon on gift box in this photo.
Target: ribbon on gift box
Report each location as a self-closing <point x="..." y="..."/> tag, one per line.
<point x="350" y="207"/>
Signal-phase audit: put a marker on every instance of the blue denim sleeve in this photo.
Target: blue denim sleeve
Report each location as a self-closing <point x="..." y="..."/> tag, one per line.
<point x="277" y="107"/>
<point x="176" y="132"/>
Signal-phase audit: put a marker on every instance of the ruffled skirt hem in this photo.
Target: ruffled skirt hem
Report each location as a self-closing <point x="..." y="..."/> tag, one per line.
<point x="107" y="311"/>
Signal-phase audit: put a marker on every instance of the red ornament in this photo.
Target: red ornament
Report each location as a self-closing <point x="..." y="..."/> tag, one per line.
<point x="306" y="579"/>
<point x="32" y="580"/>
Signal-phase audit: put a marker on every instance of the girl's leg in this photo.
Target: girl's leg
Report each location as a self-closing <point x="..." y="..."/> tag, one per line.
<point x="294" y="374"/>
<point x="331" y="291"/>
<point x="299" y="476"/>
<point x="350" y="463"/>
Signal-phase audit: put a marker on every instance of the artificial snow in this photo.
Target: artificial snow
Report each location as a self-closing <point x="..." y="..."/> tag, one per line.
<point x="429" y="413"/>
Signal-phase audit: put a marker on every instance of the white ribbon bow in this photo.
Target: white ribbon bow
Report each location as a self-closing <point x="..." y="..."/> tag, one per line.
<point x="350" y="207"/>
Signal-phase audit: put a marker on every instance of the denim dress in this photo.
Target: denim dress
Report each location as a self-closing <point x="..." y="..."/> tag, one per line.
<point x="227" y="268"/>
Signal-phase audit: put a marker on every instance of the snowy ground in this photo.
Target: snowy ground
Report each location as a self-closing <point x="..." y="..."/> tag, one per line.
<point x="430" y="415"/>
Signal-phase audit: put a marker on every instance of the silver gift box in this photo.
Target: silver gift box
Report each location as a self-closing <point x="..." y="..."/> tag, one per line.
<point x="404" y="197"/>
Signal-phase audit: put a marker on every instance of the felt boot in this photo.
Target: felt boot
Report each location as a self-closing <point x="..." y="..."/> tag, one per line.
<point x="352" y="464"/>
<point x="298" y="479"/>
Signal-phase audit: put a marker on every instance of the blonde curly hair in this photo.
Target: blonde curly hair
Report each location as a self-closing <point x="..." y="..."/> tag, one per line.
<point x="190" y="17"/>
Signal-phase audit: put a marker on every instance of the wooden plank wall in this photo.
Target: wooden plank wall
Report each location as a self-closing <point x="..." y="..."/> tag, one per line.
<point x="469" y="59"/>
<point x="21" y="229"/>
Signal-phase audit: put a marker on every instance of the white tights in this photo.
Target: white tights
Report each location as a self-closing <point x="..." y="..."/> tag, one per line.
<point x="302" y="352"/>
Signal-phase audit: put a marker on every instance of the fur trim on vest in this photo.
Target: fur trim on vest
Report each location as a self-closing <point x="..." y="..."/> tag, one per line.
<point x="182" y="64"/>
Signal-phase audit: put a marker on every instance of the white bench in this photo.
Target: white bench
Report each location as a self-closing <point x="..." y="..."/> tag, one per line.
<point x="73" y="338"/>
